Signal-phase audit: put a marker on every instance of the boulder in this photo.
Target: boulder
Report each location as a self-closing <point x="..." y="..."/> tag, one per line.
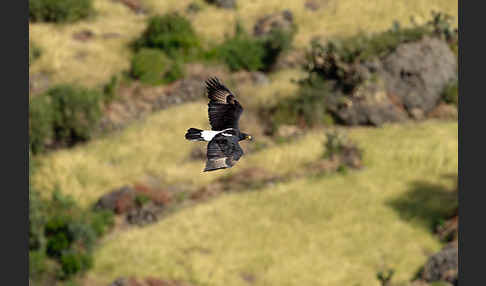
<point x="312" y="5"/>
<point x="417" y="73"/>
<point x="227" y="4"/>
<point x="119" y="201"/>
<point x="283" y="20"/>
<point x="83" y="35"/>
<point x="442" y="266"/>
<point x="147" y="214"/>
<point x="368" y="105"/>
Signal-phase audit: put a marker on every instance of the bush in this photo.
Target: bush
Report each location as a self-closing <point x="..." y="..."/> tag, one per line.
<point x="450" y="94"/>
<point x="77" y="111"/>
<point x="240" y="52"/>
<point x="37" y="263"/>
<point x="73" y="262"/>
<point x="72" y="232"/>
<point x="41" y="121"/>
<point x="59" y="10"/>
<point x="274" y="44"/>
<point x="102" y="221"/>
<point x="110" y="89"/>
<point x="153" y="67"/>
<point x="61" y="235"/>
<point x="307" y="109"/>
<point x="65" y="114"/>
<point x="171" y="33"/>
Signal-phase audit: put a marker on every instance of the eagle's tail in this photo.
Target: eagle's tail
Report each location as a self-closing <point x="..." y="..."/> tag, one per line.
<point x="194" y="134"/>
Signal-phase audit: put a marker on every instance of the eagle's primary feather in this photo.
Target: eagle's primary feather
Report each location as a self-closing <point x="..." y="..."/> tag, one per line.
<point x="223" y="109"/>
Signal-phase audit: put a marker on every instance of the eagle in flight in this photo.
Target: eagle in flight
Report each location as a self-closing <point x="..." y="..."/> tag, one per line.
<point x="224" y="113"/>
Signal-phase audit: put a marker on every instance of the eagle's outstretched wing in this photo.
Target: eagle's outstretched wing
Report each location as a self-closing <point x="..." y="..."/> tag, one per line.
<point x="223" y="152"/>
<point x="223" y="109"/>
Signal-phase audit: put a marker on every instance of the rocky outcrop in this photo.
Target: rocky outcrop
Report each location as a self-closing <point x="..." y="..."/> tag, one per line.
<point x="283" y="21"/>
<point x="405" y="84"/>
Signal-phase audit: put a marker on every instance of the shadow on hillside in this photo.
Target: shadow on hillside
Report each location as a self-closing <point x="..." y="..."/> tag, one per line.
<point x="426" y="204"/>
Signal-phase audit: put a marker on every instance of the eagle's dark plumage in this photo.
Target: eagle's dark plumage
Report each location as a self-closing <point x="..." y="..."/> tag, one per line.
<point x="223" y="108"/>
<point x="224" y="112"/>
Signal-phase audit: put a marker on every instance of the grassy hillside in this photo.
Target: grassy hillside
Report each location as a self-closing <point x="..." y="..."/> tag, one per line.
<point x="338" y="229"/>
<point x="93" y="62"/>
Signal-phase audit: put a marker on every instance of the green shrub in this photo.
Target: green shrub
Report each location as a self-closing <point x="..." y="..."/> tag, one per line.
<point x="240" y="52"/>
<point x="306" y="109"/>
<point x="102" y="221"/>
<point x="153" y="67"/>
<point x="77" y="112"/>
<point x="141" y="199"/>
<point x="65" y="114"/>
<point x="450" y="94"/>
<point x="58" y="235"/>
<point x="37" y="220"/>
<point x="59" y="10"/>
<point x="73" y="262"/>
<point x="110" y="89"/>
<point x="41" y="121"/>
<point x="275" y="43"/>
<point x="335" y="143"/>
<point x="171" y="33"/>
<point x="37" y="263"/>
<point x="71" y="233"/>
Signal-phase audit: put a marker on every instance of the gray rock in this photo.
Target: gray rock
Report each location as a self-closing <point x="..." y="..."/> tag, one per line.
<point x="369" y="105"/>
<point x="144" y="215"/>
<point x="121" y="281"/>
<point x="283" y="20"/>
<point x="442" y="266"/>
<point x="227" y="4"/>
<point x="417" y="73"/>
<point x="111" y="200"/>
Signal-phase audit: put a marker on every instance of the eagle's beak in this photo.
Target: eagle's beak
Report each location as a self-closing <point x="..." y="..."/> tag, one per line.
<point x="249" y="138"/>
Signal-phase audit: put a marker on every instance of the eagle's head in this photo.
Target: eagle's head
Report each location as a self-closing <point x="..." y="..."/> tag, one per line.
<point x="244" y="136"/>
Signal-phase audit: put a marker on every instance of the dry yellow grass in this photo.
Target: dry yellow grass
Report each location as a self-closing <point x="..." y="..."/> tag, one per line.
<point x="88" y="63"/>
<point x="93" y="62"/>
<point x="334" y="230"/>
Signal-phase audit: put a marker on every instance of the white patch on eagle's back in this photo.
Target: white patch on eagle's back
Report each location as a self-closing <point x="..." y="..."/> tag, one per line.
<point x="226" y="134"/>
<point x="208" y="135"/>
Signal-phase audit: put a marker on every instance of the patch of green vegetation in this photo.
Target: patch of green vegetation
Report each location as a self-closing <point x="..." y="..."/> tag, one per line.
<point x="450" y="94"/>
<point x="152" y="66"/>
<point x="306" y="109"/>
<point x="141" y="199"/>
<point x="274" y="44"/>
<point x="240" y="52"/>
<point x="59" y="10"/>
<point x="64" y="115"/>
<point x="62" y="235"/>
<point x="171" y="33"/>
<point x="334" y="144"/>
<point x="110" y="89"/>
<point x="246" y="52"/>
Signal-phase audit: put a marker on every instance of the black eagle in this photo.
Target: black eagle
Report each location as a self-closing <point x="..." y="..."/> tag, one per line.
<point x="224" y="113"/>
